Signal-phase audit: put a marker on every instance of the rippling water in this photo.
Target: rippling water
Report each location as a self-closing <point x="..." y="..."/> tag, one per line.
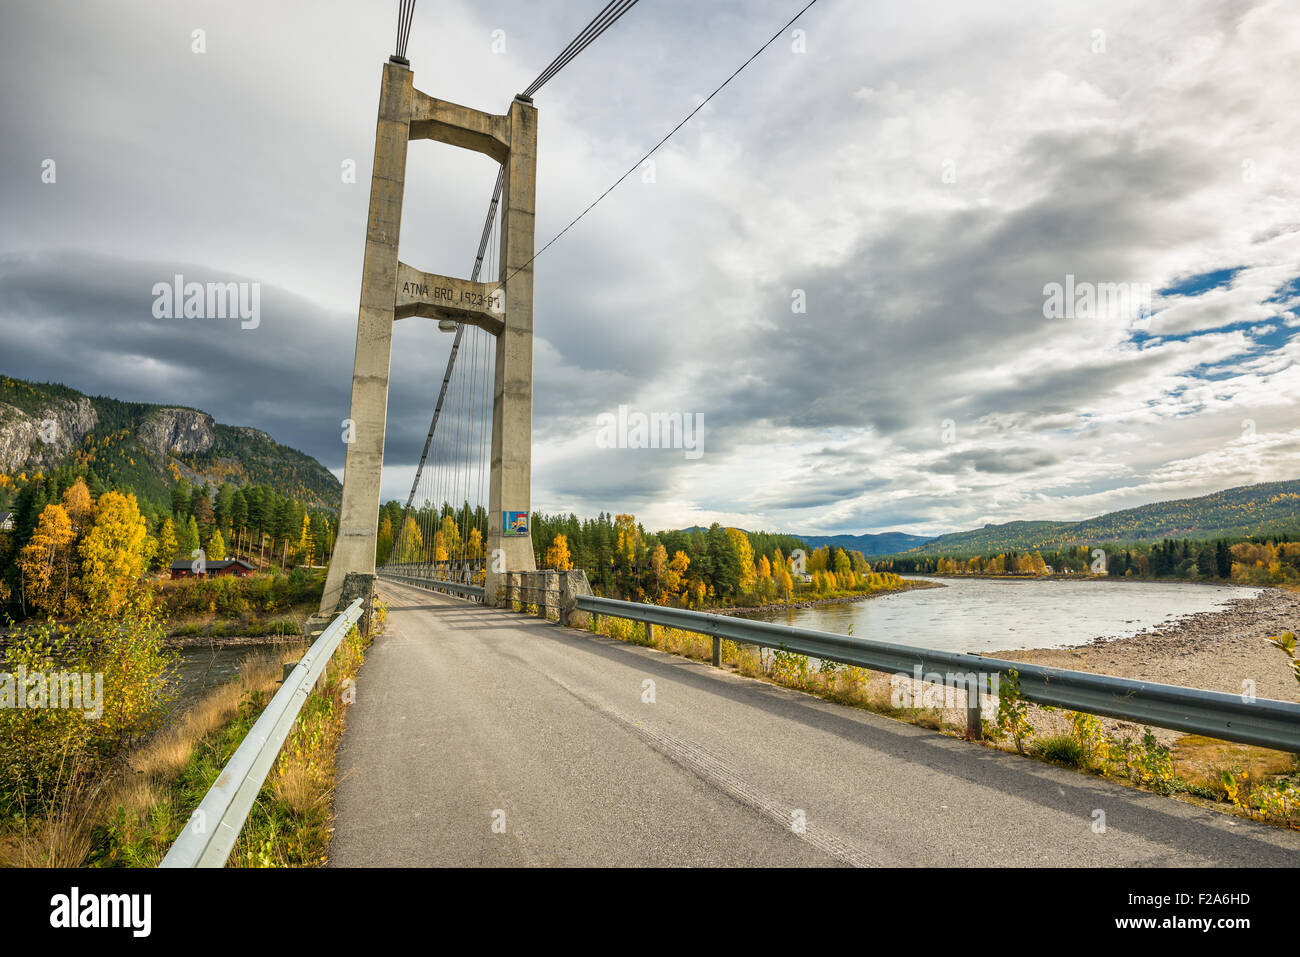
<point x="981" y="615"/>
<point x="201" y="670"/>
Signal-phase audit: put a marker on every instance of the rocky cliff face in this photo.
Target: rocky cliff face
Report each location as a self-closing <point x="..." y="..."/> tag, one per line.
<point x="245" y="431"/>
<point x="145" y="448"/>
<point x="41" y="439"/>
<point x="176" y="432"/>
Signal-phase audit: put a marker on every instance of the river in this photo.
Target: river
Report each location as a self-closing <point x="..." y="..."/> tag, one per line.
<point x="202" y="669"/>
<point x="980" y="615"/>
<point x="967" y="614"/>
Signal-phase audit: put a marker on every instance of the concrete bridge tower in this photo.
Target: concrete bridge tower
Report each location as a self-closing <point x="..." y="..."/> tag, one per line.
<point x="392" y="290"/>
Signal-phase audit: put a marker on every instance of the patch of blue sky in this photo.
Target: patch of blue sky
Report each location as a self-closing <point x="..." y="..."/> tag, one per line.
<point x="1274" y="332"/>
<point x="1204" y="282"/>
<point x="1287" y="292"/>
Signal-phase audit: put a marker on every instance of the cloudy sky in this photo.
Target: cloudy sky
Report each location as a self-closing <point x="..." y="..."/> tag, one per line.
<point x="918" y="176"/>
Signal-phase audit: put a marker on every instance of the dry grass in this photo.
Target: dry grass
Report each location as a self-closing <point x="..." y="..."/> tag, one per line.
<point x="61" y="838"/>
<point x="136" y="795"/>
<point x="169" y="751"/>
<point x="1201" y="761"/>
<point x="293" y="828"/>
<point x="299" y="786"/>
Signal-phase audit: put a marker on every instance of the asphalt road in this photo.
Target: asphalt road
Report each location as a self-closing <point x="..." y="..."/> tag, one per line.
<point x="484" y="738"/>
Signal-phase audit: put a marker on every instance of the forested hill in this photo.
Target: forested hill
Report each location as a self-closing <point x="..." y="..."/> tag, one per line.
<point x="146" y="448"/>
<point x="1249" y="510"/>
<point x="882" y="543"/>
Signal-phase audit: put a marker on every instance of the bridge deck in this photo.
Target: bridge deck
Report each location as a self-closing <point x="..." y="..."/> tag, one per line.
<point x="464" y="711"/>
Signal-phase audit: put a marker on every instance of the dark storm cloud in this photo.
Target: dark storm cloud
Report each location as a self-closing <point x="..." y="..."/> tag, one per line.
<point x="812" y="493"/>
<point x="994" y="461"/>
<point x="87" y="321"/>
<point x="942" y="293"/>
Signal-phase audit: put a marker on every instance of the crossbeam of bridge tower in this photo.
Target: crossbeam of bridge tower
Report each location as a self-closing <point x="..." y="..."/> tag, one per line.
<point x="392" y="290"/>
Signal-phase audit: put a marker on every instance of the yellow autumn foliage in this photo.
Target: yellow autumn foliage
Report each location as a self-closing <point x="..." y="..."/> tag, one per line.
<point x="115" y="553"/>
<point x="47" y="562"/>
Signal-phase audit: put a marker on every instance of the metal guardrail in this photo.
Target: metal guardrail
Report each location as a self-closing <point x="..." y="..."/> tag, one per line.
<point x="214" y="827"/>
<point x="1259" y="721"/>
<point x="435" y="584"/>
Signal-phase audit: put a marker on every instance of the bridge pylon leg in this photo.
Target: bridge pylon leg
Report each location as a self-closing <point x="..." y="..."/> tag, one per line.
<point x="354" y="548"/>
<point x="510" y="549"/>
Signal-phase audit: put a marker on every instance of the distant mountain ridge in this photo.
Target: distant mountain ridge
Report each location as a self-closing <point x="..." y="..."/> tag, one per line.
<point x="1269" y="508"/>
<point x="145" y="447"/>
<point x="882" y="543"/>
<point x="1245" y="510"/>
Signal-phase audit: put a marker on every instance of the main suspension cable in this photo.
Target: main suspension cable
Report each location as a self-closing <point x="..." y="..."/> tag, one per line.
<point x="405" y="12"/>
<point x="599" y="24"/>
<point x="684" y="121"/>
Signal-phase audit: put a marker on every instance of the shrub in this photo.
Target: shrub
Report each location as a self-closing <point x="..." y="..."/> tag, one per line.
<point x="125" y="656"/>
<point x="1013" y="711"/>
<point x="1062" y="749"/>
<point x="1095" y="746"/>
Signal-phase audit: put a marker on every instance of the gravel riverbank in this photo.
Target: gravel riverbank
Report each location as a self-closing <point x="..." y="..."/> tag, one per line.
<point x="1212" y="650"/>
<point x="1217" y="651"/>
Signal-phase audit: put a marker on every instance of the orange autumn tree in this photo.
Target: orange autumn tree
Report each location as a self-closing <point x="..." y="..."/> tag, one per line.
<point x="446" y="540"/>
<point x="675" y="574"/>
<point x="474" y="544"/>
<point x="216" y="547"/>
<point x="167" y="543"/>
<point x="79" y="506"/>
<point x="412" y="542"/>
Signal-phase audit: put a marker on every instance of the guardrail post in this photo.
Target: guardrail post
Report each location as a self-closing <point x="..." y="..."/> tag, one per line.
<point x="974" y="723"/>
<point x="649" y="633"/>
<point x="717" y="652"/>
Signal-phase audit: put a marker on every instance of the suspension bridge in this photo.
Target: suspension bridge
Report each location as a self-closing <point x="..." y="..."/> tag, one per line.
<point x="480" y="736"/>
<point x="466" y="518"/>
